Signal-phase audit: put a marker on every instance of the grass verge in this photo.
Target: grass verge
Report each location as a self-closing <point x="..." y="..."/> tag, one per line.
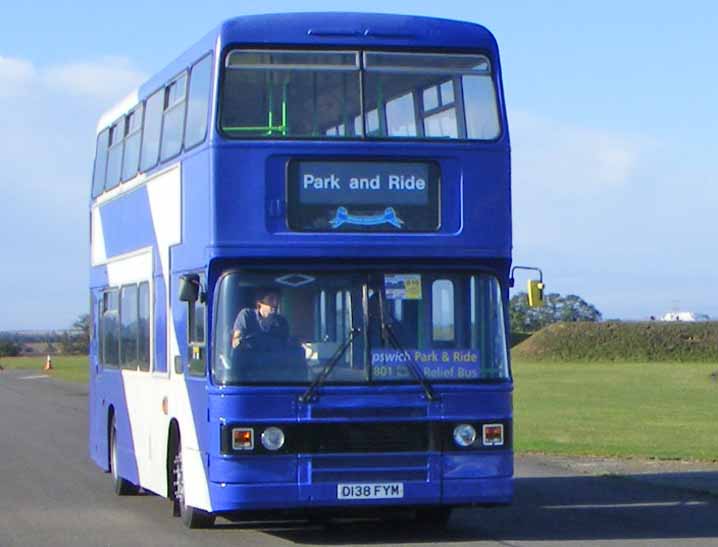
<point x="71" y="368"/>
<point x="652" y="410"/>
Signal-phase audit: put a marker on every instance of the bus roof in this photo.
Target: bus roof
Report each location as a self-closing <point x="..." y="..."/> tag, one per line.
<point x="320" y="29"/>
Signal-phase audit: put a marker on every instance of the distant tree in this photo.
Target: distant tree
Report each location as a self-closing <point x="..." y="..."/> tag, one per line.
<point x="77" y="339"/>
<point x="556" y="308"/>
<point x="9" y="348"/>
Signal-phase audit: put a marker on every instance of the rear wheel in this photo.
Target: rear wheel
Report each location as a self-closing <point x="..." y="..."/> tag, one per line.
<point x="191" y="516"/>
<point x="122" y="487"/>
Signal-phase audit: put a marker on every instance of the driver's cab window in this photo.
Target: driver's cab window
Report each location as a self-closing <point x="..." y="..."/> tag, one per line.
<point x="287" y="327"/>
<point x="196" y="331"/>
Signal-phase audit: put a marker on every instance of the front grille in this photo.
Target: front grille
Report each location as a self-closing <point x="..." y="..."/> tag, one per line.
<point x="369" y="437"/>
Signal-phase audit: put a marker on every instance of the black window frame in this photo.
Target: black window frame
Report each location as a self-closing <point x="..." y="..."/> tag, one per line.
<point x="118" y="126"/>
<point x="208" y="103"/>
<point x="95" y="191"/>
<point x="135" y="361"/>
<point x="139" y="107"/>
<point x="159" y="92"/>
<point x="198" y="347"/>
<point x="104" y="310"/>
<point x="140" y="332"/>
<point x="170" y="108"/>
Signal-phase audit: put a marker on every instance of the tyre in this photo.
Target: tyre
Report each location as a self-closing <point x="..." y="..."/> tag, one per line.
<point x="122" y="487"/>
<point x="191" y="516"/>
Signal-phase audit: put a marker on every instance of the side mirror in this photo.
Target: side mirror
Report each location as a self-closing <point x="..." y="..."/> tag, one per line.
<point x="535" y="288"/>
<point x="189" y="287"/>
<point x="535" y="293"/>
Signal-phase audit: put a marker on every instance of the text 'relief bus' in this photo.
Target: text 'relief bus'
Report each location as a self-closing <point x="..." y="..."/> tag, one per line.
<point x="300" y="258"/>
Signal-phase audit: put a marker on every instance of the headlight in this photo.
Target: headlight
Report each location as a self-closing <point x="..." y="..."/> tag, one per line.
<point x="464" y="435"/>
<point x="273" y="438"/>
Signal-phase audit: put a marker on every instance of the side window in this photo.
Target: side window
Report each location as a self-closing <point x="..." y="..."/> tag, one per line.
<point x="200" y="84"/>
<point x="133" y="132"/>
<point x="110" y="328"/>
<point x="98" y="178"/>
<point x="143" y="338"/>
<point x="152" y="130"/>
<point x="174" y="113"/>
<point x="442" y="312"/>
<point x="440" y="111"/>
<point x="196" y="338"/>
<point x="400" y="116"/>
<point x="114" y="157"/>
<point x="482" y="117"/>
<point x="128" y="327"/>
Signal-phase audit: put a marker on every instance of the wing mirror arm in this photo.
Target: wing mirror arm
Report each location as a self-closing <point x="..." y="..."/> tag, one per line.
<point x="535" y="288"/>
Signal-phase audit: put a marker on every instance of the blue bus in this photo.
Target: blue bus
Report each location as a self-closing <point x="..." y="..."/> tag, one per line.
<point x="300" y="264"/>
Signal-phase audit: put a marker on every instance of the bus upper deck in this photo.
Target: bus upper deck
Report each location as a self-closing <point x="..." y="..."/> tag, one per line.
<point x="292" y="121"/>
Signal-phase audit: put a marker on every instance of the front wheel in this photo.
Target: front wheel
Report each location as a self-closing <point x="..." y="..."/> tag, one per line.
<point x="191" y="516"/>
<point x="122" y="487"/>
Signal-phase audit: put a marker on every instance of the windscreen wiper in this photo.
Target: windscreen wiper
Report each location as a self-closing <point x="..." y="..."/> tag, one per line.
<point x="319" y="380"/>
<point x="387" y="332"/>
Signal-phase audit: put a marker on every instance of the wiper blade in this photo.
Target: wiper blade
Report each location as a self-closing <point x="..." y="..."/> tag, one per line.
<point x="388" y="332"/>
<point x="319" y="380"/>
<point x="412" y="364"/>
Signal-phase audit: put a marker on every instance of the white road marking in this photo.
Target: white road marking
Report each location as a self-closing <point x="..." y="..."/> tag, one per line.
<point x="627" y="505"/>
<point x="35" y="377"/>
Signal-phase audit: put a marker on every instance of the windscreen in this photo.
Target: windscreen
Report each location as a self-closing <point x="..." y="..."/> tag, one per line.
<point x="339" y="94"/>
<point x="289" y="327"/>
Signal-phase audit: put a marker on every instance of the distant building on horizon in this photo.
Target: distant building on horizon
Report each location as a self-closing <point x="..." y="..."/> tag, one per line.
<point x="687" y="316"/>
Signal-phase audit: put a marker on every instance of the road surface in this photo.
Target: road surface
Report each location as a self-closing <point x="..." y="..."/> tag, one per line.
<point x="51" y="494"/>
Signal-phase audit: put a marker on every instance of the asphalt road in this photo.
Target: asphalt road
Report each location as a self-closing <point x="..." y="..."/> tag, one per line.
<point x="51" y="494"/>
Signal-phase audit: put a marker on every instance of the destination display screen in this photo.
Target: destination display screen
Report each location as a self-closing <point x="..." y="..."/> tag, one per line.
<point x="363" y="196"/>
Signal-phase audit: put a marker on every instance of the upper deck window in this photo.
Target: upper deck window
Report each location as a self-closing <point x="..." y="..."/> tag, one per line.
<point x="133" y="134"/>
<point x="316" y="94"/>
<point x="153" y="127"/>
<point x="200" y="85"/>
<point x="98" y="178"/>
<point x="174" y="113"/>
<point x="279" y="94"/>
<point x="431" y="96"/>
<point x="114" y="157"/>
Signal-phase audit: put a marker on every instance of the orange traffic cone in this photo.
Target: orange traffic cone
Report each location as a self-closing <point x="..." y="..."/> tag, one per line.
<point x="48" y="363"/>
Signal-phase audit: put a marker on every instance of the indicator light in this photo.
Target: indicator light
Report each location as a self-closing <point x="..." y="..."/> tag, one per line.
<point x="493" y="434"/>
<point x="243" y="438"/>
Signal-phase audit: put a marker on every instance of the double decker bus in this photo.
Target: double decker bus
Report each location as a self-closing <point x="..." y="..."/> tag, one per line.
<point x="300" y="261"/>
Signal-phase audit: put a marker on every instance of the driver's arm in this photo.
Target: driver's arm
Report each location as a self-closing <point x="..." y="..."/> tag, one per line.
<point x="236" y="337"/>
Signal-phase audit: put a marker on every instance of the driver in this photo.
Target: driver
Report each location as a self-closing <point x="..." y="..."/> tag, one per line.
<point x="261" y="328"/>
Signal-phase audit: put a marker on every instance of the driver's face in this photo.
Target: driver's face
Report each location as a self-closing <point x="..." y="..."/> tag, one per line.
<point x="268" y="305"/>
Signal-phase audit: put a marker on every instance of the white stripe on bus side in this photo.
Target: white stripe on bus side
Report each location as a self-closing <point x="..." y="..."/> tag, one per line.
<point x="165" y="195"/>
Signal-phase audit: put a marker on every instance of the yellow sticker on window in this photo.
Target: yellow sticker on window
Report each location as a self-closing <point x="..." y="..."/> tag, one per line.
<point x="403" y="286"/>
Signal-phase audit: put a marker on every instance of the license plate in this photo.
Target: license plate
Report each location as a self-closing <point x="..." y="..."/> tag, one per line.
<point x="370" y="491"/>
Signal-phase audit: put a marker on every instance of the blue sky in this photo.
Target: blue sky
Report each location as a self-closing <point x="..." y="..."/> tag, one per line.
<point x="613" y="112"/>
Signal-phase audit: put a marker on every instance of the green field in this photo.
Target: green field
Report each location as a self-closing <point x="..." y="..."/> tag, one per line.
<point x="72" y="368"/>
<point x="653" y="410"/>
